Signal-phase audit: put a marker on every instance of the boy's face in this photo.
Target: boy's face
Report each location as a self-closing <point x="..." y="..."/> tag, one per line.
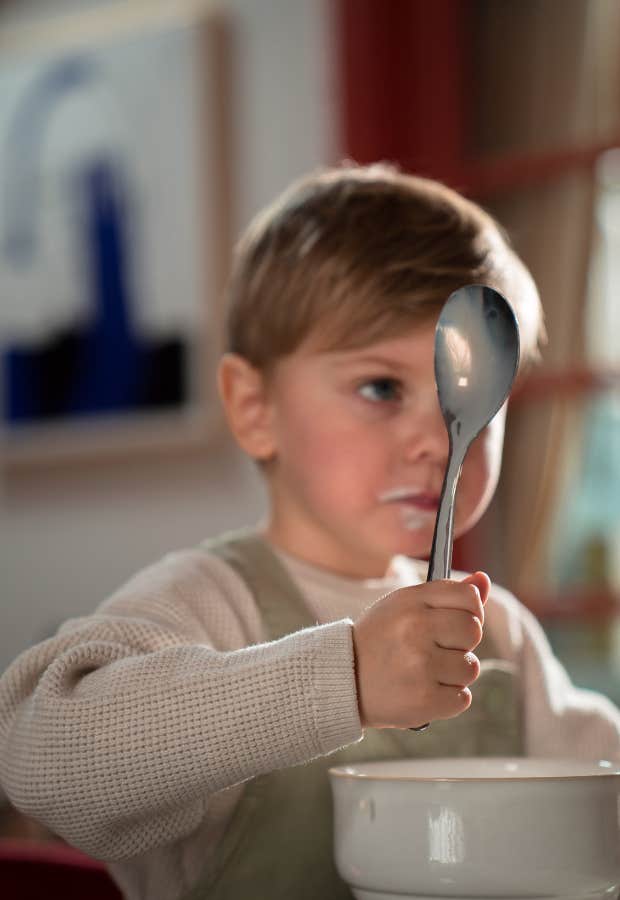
<point x="359" y="453"/>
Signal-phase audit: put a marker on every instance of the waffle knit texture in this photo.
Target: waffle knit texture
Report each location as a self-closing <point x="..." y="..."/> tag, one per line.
<point x="132" y="731"/>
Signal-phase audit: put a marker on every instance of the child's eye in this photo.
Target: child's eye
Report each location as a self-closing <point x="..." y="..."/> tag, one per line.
<point x="381" y="390"/>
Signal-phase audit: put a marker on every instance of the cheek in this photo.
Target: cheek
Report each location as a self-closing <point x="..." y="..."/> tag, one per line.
<point x="482" y="467"/>
<point x="326" y="458"/>
<point x="308" y="444"/>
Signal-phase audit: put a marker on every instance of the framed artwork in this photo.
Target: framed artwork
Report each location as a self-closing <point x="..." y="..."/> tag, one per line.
<point x="113" y="237"/>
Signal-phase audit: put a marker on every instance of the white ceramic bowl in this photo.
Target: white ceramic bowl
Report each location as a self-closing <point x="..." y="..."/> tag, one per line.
<point x="473" y="828"/>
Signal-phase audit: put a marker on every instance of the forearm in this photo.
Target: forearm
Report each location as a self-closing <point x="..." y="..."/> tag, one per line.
<point x="117" y="750"/>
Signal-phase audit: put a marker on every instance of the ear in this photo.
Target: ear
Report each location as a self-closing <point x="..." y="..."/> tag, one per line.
<point x="244" y="395"/>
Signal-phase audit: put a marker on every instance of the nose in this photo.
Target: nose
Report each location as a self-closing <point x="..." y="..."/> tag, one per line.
<point x="425" y="437"/>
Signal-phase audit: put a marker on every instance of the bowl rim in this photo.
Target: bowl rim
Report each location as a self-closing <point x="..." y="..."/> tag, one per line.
<point x="609" y="770"/>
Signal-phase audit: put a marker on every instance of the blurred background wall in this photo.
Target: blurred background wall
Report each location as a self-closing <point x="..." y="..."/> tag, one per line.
<point x="515" y="104"/>
<point x="73" y="528"/>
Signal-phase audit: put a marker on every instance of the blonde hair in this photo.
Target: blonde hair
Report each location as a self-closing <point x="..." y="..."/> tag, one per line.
<point x="356" y="254"/>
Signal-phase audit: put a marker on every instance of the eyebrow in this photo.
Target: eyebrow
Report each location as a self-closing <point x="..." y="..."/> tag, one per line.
<point x="369" y="360"/>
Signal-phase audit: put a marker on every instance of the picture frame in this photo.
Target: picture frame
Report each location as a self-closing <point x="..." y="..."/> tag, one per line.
<point x="114" y="233"/>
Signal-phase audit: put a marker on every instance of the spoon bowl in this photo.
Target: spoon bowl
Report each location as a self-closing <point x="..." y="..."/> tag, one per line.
<point x="476" y="360"/>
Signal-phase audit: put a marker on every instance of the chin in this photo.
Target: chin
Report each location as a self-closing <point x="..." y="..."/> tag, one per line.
<point x="414" y="544"/>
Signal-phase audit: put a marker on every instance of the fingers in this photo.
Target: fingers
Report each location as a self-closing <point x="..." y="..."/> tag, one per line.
<point x="444" y="693"/>
<point x="464" y="595"/>
<point x="451" y="702"/>
<point x="456" y="669"/>
<point x="482" y="581"/>
<point x="412" y="652"/>
<point x="454" y="629"/>
<point x="448" y="694"/>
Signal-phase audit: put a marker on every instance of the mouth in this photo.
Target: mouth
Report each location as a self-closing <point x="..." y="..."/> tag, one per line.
<point x="417" y="508"/>
<point x="413" y="499"/>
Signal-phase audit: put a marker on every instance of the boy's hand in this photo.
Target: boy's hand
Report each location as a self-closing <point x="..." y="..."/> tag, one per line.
<point x="413" y="652"/>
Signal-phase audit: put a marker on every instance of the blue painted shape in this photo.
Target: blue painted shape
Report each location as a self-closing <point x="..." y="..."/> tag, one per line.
<point x="107" y="375"/>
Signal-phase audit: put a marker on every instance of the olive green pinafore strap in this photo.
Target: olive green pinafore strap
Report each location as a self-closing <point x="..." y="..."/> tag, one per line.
<point x="279" y="843"/>
<point x="280" y="603"/>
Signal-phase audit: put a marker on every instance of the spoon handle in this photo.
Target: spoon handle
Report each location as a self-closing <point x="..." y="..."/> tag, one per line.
<point x="441" y="551"/>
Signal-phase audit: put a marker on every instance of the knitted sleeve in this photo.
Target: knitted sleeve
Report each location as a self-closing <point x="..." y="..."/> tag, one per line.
<point x="115" y="732"/>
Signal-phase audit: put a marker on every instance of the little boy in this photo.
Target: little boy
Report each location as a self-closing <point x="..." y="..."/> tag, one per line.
<point x="165" y="732"/>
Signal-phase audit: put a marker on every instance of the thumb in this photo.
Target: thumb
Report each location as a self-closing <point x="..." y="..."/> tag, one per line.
<point x="482" y="581"/>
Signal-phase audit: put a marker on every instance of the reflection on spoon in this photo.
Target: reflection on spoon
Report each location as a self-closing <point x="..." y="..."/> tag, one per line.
<point x="476" y="360"/>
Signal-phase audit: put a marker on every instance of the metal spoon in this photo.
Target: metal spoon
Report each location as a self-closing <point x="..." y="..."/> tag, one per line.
<point x="476" y="360"/>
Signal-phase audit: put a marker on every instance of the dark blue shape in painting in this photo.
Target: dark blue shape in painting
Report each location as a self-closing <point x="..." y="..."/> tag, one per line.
<point x="107" y="367"/>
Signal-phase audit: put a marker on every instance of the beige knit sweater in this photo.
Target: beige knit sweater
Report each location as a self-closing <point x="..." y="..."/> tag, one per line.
<point x="131" y="732"/>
